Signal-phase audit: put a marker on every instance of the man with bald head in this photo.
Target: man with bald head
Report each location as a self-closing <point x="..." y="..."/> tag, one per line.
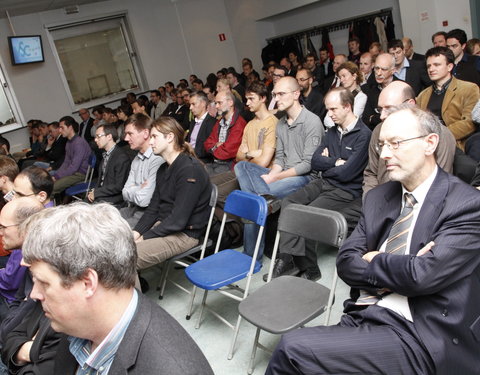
<point x="413" y="263"/>
<point x="394" y="94"/>
<point x="384" y="68"/>
<point x="409" y="52"/>
<point x="299" y="133"/>
<point x="226" y="136"/>
<point x="13" y="214"/>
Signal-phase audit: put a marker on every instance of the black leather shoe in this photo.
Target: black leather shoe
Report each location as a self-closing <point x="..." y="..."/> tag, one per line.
<point x="311" y="274"/>
<point x="283" y="267"/>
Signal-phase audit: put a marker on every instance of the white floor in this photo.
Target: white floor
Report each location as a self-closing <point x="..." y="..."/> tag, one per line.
<point x="213" y="337"/>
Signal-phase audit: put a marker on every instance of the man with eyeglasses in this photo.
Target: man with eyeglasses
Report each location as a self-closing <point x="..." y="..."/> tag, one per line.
<point x="113" y="170"/>
<point x="34" y="182"/>
<point x="394" y="94"/>
<point x="278" y="73"/>
<point x="311" y="97"/>
<point x="85" y="127"/>
<point x="339" y="162"/>
<point x="12" y="276"/>
<point x="413" y="263"/>
<point x="384" y="68"/>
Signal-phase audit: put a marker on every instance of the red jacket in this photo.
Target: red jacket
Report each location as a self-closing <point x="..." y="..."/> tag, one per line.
<point x="228" y="149"/>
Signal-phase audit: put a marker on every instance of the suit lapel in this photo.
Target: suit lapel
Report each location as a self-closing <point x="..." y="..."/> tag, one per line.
<point x="127" y="353"/>
<point x="449" y="95"/>
<point x="430" y="211"/>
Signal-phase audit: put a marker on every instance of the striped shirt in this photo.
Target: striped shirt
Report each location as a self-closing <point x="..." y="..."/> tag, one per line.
<point x="101" y="359"/>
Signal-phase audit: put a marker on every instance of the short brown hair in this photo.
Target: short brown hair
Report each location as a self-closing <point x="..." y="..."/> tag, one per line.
<point x="8" y="167"/>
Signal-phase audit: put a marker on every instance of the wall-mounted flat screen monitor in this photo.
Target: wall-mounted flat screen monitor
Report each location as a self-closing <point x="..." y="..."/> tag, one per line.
<point x="26" y="49"/>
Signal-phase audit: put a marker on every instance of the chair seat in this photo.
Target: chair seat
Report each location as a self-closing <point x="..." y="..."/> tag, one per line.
<point x="302" y="301"/>
<point x="78" y="188"/>
<point x="220" y="269"/>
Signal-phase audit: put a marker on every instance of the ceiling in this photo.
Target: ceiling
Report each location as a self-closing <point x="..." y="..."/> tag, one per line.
<point x="20" y="7"/>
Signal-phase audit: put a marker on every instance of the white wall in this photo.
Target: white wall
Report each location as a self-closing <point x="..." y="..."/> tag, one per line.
<point x="421" y="28"/>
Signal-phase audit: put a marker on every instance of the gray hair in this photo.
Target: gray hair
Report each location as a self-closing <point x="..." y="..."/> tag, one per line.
<point x="428" y="122"/>
<point x="77" y="237"/>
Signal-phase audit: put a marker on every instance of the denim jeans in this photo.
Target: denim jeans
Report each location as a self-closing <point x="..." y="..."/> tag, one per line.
<point x="249" y="179"/>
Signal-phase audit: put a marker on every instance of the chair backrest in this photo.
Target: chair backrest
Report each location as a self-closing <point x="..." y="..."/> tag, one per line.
<point x="92" y="160"/>
<point x="212" y="204"/>
<point x="313" y="223"/>
<point x="213" y="196"/>
<point x="247" y="206"/>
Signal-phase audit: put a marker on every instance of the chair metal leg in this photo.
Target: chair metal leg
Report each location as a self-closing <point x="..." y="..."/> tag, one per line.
<point x="234" y="338"/>
<point x="192" y="298"/>
<point x="331" y="296"/>
<point x="163" y="280"/>
<point x="251" y="364"/>
<point x="202" y="306"/>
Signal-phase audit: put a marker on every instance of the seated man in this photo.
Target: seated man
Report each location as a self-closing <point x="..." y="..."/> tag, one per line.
<point x="8" y="173"/>
<point x="226" y="136"/>
<point x="12" y="276"/>
<point x="77" y="152"/>
<point x="34" y="182"/>
<point x="178" y="212"/>
<point x="394" y="94"/>
<point x="415" y="256"/>
<point x="201" y="126"/>
<point x="138" y="190"/>
<point x="340" y="161"/>
<point x="113" y="170"/>
<point x="452" y="100"/>
<point x="299" y="133"/>
<point x="88" y="293"/>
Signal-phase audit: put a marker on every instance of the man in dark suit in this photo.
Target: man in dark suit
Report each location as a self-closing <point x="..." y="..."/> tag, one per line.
<point x="409" y="52"/>
<point x="113" y="170"/>
<point x="201" y="126"/>
<point x="413" y="267"/>
<point x="82" y="259"/>
<point x="85" y="127"/>
<point x="411" y="71"/>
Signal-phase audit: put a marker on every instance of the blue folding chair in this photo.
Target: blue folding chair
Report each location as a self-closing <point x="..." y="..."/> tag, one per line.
<point x="220" y="270"/>
<point x="77" y="190"/>
<point x="186" y="258"/>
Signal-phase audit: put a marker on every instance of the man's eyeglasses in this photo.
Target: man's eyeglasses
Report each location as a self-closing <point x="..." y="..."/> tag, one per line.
<point x="98" y="136"/>
<point x="377" y="68"/>
<point x="20" y="195"/>
<point x="394" y="145"/>
<point x="2" y="227"/>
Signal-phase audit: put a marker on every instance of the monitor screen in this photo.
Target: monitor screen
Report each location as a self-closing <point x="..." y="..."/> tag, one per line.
<point x="26" y="49"/>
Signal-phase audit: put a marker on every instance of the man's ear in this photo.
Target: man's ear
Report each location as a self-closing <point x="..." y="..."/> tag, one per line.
<point x="90" y="282"/>
<point x="42" y="197"/>
<point x="432" y="143"/>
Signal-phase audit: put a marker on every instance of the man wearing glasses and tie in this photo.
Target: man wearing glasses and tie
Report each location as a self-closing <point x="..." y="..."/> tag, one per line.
<point x="413" y="263"/>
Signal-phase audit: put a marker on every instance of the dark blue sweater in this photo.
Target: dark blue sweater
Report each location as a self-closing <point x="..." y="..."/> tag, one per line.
<point x="353" y="148"/>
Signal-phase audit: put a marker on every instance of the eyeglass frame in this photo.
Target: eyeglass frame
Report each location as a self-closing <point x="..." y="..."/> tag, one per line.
<point x="2" y="227"/>
<point x="281" y="94"/>
<point x="394" y="145"/>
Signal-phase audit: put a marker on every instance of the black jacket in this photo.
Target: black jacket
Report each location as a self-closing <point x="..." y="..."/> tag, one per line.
<point x="203" y="133"/>
<point x="56" y="153"/>
<point x="116" y="174"/>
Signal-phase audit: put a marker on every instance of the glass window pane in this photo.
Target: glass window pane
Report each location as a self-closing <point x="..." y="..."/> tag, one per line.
<point x="96" y="64"/>
<point x="6" y="113"/>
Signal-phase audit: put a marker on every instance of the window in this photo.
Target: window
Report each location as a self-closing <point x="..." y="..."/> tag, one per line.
<point x="96" y="59"/>
<point x="9" y="115"/>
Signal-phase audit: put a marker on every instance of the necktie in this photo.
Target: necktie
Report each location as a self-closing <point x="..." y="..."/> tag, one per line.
<point x="396" y="243"/>
<point x="334" y="84"/>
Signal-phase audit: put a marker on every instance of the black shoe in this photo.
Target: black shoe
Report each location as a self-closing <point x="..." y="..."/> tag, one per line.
<point x="283" y="267"/>
<point x="311" y="274"/>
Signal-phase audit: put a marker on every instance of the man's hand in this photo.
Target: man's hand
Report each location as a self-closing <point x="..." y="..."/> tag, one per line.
<point x="136" y="236"/>
<point x="144" y="184"/>
<point x="426" y="249"/>
<point x="339" y="162"/>
<point x="325" y="152"/>
<point x="218" y="144"/>
<point x="370" y="255"/>
<point x="50" y="140"/>
<point x="269" y="178"/>
<point x="255" y="153"/>
<point x="91" y="196"/>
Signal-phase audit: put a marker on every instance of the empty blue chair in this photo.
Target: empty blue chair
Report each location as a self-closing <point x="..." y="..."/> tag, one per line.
<point x="223" y="268"/>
